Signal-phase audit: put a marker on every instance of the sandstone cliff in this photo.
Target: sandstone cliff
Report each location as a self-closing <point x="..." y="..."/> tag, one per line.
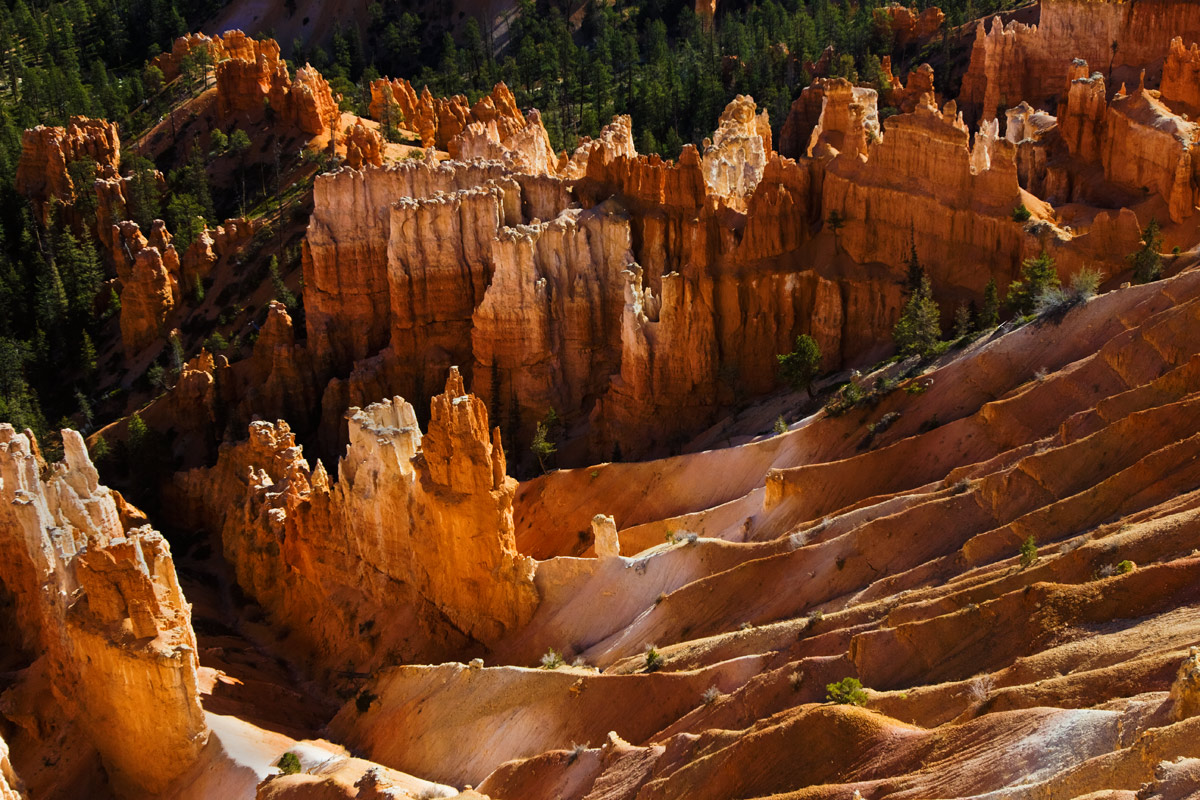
<point x="101" y="607"/>
<point x="410" y="554"/>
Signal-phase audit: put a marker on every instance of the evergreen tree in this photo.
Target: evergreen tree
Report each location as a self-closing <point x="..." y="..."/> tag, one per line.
<point x="1147" y="263"/>
<point x="1038" y="275"/>
<point x="799" y="367"/>
<point x="989" y="313"/>
<point x="919" y="328"/>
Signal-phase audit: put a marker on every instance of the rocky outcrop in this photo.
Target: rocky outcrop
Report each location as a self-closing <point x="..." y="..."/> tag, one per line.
<point x="409" y="555"/>
<point x="254" y="78"/>
<point x="542" y="335"/>
<point x="1181" y="77"/>
<point x="906" y="25"/>
<point x="1149" y="148"/>
<point x="524" y="149"/>
<point x="831" y="115"/>
<point x="1185" y="691"/>
<point x="734" y="159"/>
<point x="346" y="252"/>
<point x="48" y="153"/>
<point x="1140" y="143"/>
<point x="363" y="146"/>
<point x="1081" y="116"/>
<point x="101" y="607"/>
<point x="927" y="185"/>
<point x="438" y="120"/>
<point x="615" y="141"/>
<point x="207" y="50"/>
<point x="210" y="246"/>
<point x="150" y="272"/>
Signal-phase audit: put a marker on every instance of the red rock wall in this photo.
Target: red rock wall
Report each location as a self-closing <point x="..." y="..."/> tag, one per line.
<point x="1019" y="62"/>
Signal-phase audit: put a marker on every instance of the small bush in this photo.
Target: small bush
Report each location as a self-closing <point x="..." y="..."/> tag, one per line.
<point x="850" y="395"/>
<point x="884" y="422"/>
<point x="981" y="688"/>
<point x="1029" y="552"/>
<point x="711" y="695"/>
<point x="781" y="425"/>
<point x="795" y="680"/>
<point x="1038" y="275"/>
<point x="288" y="763"/>
<point x="1125" y="567"/>
<point x="1021" y="213"/>
<point x="654" y="659"/>
<point x="576" y="751"/>
<point x="552" y="659"/>
<point x="1086" y="282"/>
<point x="847" y="691"/>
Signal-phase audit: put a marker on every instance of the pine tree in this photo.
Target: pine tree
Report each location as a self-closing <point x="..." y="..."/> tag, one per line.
<point x="1038" y="275"/>
<point x="919" y="328"/>
<point x="1147" y="263"/>
<point x="915" y="273"/>
<point x="799" y="367"/>
<point x="962" y="320"/>
<point x="989" y="314"/>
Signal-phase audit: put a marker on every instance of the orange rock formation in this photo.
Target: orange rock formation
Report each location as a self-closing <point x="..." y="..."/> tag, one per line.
<point x="101" y="607"/>
<point x="47" y="153"/>
<point x="906" y="25"/>
<point x="1015" y="62"/>
<point x="410" y="554"/>
<point x="437" y="121"/>
<point x="254" y="77"/>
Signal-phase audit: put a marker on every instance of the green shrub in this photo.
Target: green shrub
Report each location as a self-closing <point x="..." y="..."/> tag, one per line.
<point x="288" y="763"/>
<point x="1021" y="213"/>
<point x="1125" y="567"/>
<point x="847" y="691"/>
<point x="799" y="367"/>
<point x="781" y="425"/>
<point x="1029" y="552"/>
<point x="654" y="659"/>
<point x="552" y="659"/>
<point x="1037" y="276"/>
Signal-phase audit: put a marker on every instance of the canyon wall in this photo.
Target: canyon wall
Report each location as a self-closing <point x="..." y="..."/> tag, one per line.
<point x="925" y="185"/>
<point x="100" y="607"/>
<point x="409" y="555"/>
<point x="1015" y="62"/>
